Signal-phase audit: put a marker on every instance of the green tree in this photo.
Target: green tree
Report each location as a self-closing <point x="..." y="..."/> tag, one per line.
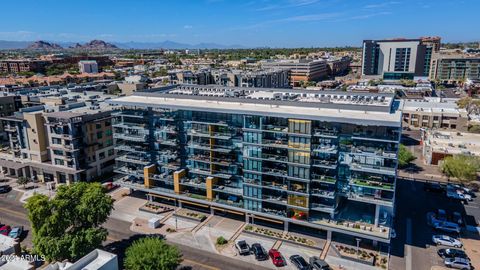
<point x="152" y="253"/>
<point x="462" y="167"/>
<point x="68" y="226"/>
<point x="23" y="181"/>
<point x="404" y="156"/>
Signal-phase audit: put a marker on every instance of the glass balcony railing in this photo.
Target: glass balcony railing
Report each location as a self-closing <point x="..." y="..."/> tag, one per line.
<point x="131" y="137"/>
<point x="326" y="132"/>
<point x="324" y="178"/>
<point x="372" y="184"/>
<point x="134" y="159"/>
<point x="370" y="151"/>
<point x="373" y="168"/>
<point x="375" y="137"/>
<point x="322" y="207"/>
<point x="228" y="189"/>
<point x="330" y="164"/>
<point x="196" y="182"/>
<point x="206" y="133"/>
<point x="325" y="148"/>
<point x="322" y="193"/>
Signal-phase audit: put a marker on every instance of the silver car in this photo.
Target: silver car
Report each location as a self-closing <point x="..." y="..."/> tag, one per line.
<point x="447" y="227"/>
<point x="446" y="241"/>
<point x="457" y="263"/>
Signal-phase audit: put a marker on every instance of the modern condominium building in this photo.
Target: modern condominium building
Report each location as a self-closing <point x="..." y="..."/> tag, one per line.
<point x="398" y="58"/>
<point x="299" y="158"/>
<point x="300" y="69"/>
<point x="62" y="143"/>
<point x="455" y="68"/>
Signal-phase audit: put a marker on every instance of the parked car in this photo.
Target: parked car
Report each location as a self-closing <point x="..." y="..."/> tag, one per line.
<point x="277" y="258"/>
<point x="457" y="263"/>
<point x="16" y="232"/>
<point x="259" y="252"/>
<point x="441" y="215"/>
<point x="5" y="188"/>
<point x="453" y="194"/>
<point x="5" y="230"/>
<point x="300" y="262"/>
<point x="434" y="187"/>
<point x="452" y="253"/>
<point x="318" y="264"/>
<point x="446" y="241"/>
<point x="457" y="218"/>
<point x="447" y="227"/>
<point x="242" y="247"/>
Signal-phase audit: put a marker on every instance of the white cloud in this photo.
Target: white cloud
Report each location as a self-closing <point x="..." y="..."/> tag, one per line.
<point x="381" y="5"/>
<point x="187" y="27"/>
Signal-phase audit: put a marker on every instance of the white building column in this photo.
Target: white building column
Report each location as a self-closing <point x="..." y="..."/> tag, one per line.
<point x="285" y="226"/>
<point x="377" y="214"/>
<point x="329" y="235"/>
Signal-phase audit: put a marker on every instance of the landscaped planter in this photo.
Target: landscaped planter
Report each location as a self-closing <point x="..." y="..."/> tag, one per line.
<point x="190" y="215"/>
<point x="279" y="236"/>
<point x="154" y="208"/>
<point x="363" y="256"/>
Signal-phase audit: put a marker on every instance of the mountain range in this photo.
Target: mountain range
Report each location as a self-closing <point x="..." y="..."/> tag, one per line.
<point x="99" y="44"/>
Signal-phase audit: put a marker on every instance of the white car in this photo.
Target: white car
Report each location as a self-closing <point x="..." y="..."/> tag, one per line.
<point x="446" y="240"/>
<point x="457" y="263"/>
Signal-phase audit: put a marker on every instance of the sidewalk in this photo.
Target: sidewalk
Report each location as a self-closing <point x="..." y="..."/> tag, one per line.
<point x="471" y="244"/>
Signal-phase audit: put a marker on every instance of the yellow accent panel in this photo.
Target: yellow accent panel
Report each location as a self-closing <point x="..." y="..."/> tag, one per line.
<point x="176" y="180"/>
<point x="210" y="182"/>
<point x="298" y="201"/>
<point x="147" y="170"/>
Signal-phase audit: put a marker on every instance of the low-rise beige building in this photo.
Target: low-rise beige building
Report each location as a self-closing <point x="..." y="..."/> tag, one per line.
<point x="439" y="144"/>
<point x="434" y="113"/>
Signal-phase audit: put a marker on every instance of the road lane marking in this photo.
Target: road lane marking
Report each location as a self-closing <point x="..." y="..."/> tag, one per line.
<point x="201" y="264"/>
<point x="408" y="248"/>
<point x="15" y="213"/>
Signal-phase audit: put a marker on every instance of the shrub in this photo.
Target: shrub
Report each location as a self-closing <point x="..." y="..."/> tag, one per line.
<point x="221" y="241"/>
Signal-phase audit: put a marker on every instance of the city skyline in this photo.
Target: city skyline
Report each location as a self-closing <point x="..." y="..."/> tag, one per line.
<point x="286" y="23"/>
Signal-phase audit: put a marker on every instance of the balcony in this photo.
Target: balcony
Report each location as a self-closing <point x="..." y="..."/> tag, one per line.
<point x="280" y="143"/>
<point x="195" y="182"/>
<point x="372" y="184"/>
<point x="249" y="181"/>
<point x="324" y="179"/>
<point x="276" y="212"/>
<point x="275" y="199"/>
<point x="130" y="125"/>
<point x="373" y="169"/>
<point x="214" y="148"/>
<point x="322" y="207"/>
<point x="128" y="171"/>
<point x="128" y="113"/>
<point x="208" y="173"/>
<point x="218" y="123"/>
<point x="169" y="142"/>
<point x="274" y="128"/>
<point x="326" y="149"/>
<point x="131" y="137"/>
<point x="164" y="177"/>
<point x="365" y="197"/>
<point x="326" y="132"/>
<point x="368" y="136"/>
<point x="228" y="189"/>
<point x="211" y="160"/>
<point x="229" y="202"/>
<point x="166" y="129"/>
<point x="207" y="134"/>
<point x="370" y="151"/>
<point x="322" y="193"/>
<point x="134" y="159"/>
<point x="129" y="148"/>
<point x="328" y="164"/>
<point x="275" y="172"/>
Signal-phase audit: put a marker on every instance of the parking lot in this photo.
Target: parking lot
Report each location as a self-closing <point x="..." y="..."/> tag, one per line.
<point x="413" y="247"/>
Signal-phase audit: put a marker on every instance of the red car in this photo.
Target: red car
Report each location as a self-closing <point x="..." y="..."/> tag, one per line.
<point x="277" y="258"/>
<point x="5" y="230"/>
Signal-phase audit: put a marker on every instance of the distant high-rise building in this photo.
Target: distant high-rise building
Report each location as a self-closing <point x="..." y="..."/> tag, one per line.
<point x="88" y="66"/>
<point x="394" y="59"/>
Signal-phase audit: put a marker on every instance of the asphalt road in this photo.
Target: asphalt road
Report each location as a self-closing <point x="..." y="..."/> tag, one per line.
<point x="119" y="238"/>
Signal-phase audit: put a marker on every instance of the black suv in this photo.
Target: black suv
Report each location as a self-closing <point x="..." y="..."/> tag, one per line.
<point x="452" y="253"/>
<point x="259" y="252"/>
<point x="5" y="188"/>
<point x="300" y="262"/>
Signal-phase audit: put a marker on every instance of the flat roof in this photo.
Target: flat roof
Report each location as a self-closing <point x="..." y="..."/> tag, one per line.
<point x="454" y="142"/>
<point x="304" y="110"/>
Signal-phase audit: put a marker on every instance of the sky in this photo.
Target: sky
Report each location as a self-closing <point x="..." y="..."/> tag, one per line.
<point x="250" y="23"/>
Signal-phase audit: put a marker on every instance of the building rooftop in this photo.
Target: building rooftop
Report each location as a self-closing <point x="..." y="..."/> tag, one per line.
<point x="374" y="109"/>
<point x="454" y="142"/>
<point x="95" y="260"/>
<point x="434" y="105"/>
